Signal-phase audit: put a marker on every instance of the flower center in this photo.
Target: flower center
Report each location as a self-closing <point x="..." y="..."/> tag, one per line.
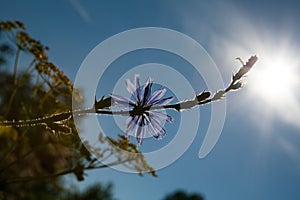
<point x="139" y="110"/>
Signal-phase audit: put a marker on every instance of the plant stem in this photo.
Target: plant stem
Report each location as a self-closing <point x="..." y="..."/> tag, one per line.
<point x="15" y="81"/>
<point x="66" y="115"/>
<point x="64" y="172"/>
<point x="16" y="66"/>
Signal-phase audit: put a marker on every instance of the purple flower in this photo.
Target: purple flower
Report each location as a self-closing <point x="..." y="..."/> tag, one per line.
<point x="141" y="116"/>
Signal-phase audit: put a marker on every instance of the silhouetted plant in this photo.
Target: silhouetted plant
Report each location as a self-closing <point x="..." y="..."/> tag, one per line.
<point x="182" y="195"/>
<point x="96" y="192"/>
<point x="35" y="101"/>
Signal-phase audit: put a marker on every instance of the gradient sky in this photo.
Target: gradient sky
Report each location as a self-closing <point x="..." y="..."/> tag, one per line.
<point x="257" y="155"/>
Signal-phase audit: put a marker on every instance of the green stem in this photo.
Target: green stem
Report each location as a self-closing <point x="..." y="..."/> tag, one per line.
<point x="29" y="66"/>
<point x="15" y="82"/>
<point x="16" y="66"/>
<point x="10" y="101"/>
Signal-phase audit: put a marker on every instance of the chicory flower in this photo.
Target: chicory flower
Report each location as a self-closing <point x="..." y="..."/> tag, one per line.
<point x="141" y="116"/>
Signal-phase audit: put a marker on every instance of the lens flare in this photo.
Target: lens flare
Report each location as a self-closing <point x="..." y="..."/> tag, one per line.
<point x="274" y="80"/>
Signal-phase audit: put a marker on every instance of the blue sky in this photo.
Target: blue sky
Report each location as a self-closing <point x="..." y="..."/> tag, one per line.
<point x="257" y="155"/>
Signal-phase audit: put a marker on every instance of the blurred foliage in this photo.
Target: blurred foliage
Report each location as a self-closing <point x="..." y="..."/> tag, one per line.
<point x="33" y="157"/>
<point x="182" y="195"/>
<point x="95" y="192"/>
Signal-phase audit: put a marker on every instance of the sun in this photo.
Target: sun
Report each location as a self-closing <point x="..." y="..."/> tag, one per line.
<point x="274" y="80"/>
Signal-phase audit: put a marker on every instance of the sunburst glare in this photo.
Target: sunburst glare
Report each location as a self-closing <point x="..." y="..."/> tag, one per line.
<point x="272" y="86"/>
<point x="275" y="79"/>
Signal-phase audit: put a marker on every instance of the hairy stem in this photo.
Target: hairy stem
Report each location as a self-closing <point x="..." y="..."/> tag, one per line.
<point x="183" y="105"/>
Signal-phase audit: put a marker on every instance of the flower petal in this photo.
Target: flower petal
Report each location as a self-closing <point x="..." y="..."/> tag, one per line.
<point x="157" y="126"/>
<point x="161" y="116"/>
<point x="122" y="101"/>
<point x="130" y="126"/>
<point x="131" y="88"/>
<point x="137" y="87"/>
<point x="147" y="90"/>
<point x="158" y="94"/>
<point x="141" y="135"/>
<point x="153" y="131"/>
<point x="162" y="102"/>
<point x="139" y="129"/>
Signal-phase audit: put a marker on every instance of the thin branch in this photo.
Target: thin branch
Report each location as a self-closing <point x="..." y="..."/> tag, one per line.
<point x="62" y="173"/>
<point x="16" y="65"/>
<point x="103" y="104"/>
